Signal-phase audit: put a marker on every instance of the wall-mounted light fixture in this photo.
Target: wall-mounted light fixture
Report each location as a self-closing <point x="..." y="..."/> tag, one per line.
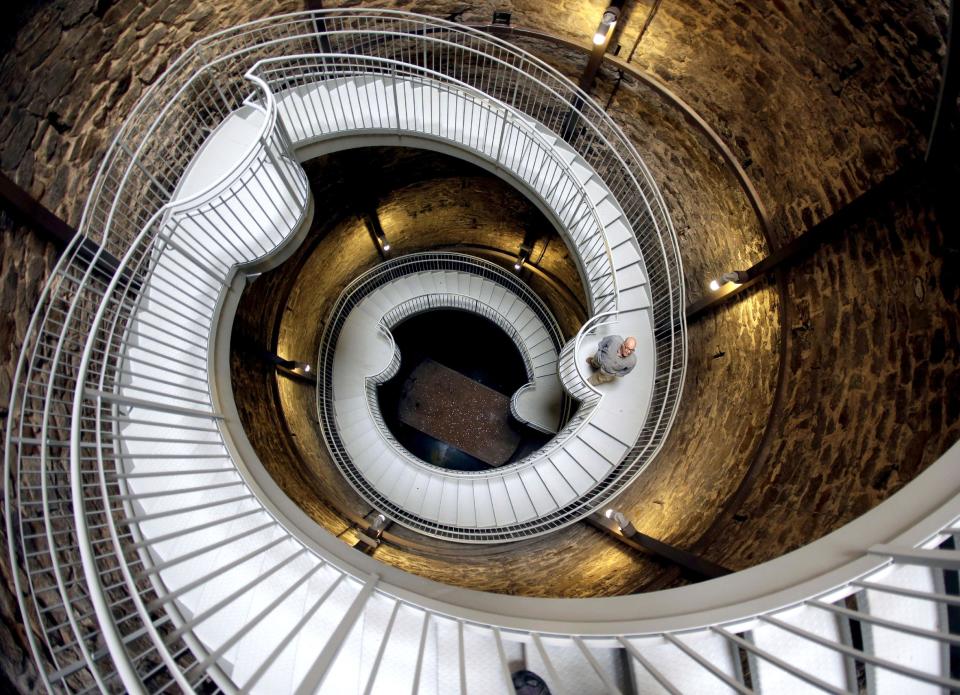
<point x="371" y="537"/>
<point x="626" y="527"/>
<point x="522" y="258"/>
<point x="609" y="18"/>
<point x="372" y="223"/>
<point x="738" y="277"/>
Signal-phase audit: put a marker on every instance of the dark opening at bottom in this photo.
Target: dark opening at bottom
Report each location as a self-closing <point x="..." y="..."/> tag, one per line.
<point x="449" y="404"/>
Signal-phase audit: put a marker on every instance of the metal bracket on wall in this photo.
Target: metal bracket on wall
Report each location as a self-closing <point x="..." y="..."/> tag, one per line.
<point x="34" y="214"/>
<point x="692" y="564"/>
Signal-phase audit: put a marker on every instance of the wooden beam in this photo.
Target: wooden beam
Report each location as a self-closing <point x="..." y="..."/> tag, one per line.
<point x="34" y="214"/>
<point x="809" y="241"/>
<point x="687" y="561"/>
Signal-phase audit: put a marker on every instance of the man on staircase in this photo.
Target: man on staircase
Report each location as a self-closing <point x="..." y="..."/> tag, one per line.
<point x="614" y="358"/>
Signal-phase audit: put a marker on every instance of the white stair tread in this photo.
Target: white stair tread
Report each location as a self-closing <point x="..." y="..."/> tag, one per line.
<point x="921" y="654"/>
<point x="682" y="672"/>
<point x="480" y="502"/>
<point x="826" y="664"/>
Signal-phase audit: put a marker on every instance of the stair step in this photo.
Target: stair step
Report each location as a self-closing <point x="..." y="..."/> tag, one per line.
<point x="921" y="654"/>
<point x="483" y="498"/>
<point x="537" y="489"/>
<point x="679" y="670"/>
<point x="466" y="503"/>
<point x="432" y="498"/>
<point x="603" y="443"/>
<point x="631" y="276"/>
<point x="824" y="663"/>
<point x="502" y="508"/>
<point x="594" y="463"/>
<point x="616" y="422"/>
<point x="519" y="499"/>
<point x="572" y="471"/>
<point x="634" y="298"/>
<point x="416" y="491"/>
<point x="449" y="499"/>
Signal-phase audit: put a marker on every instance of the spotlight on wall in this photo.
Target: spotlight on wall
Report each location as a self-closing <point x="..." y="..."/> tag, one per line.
<point x="738" y="277"/>
<point x="301" y="368"/>
<point x="372" y="222"/>
<point x="606" y="24"/>
<point x="522" y="258"/>
<point x="626" y="527"/>
<point x="372" y="536"/>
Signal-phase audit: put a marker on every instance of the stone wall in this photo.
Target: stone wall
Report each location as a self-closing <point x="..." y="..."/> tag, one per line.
<point x="732" y="369"/>
<point x="733" y="352"/>
<point x="451" y="204"/>
<point x="25" y="264"/>
<point x="872" y="390"/>
<point x="817" y="101"/>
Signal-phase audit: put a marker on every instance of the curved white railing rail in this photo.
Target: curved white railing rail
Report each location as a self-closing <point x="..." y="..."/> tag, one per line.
<point x="314" y="112"/>
<point x="66" y="354"/>
<point x="590" y="458"/>
<point x="570" y="371"/>
<point x="494" y="289"/>
<point x="401" y="312"/>
<point x="93" y="589"/>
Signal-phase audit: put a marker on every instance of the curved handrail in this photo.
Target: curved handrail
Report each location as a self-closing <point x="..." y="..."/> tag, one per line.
<point x="395" y="316"/>
<point x="348" y="299"/>
<point x="572" y="378"/>
<point x="667" y="306"/>
<point x="601" y="286"/>
<point x="136" y="180"/>
<point x="137" y="255"/>
<point x="826" y="569"/>
<point x="366" y="283"/>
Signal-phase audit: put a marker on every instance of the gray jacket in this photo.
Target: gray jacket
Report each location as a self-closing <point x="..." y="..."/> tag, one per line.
<point x="608" y="355"/>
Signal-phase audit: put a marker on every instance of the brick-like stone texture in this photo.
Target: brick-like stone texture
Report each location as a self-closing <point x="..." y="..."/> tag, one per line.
<point x="731" y="375"/>
<point x="25" y="265"/>
<point x="716" y="228"/>
<point x="290" y="306"/>
<point x="872" y="391"/>
<point x="817" y="101"/>
<point x="715" y="224"/>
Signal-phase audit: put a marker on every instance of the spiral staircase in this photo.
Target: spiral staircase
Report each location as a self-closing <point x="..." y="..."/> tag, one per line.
<point x="151" y="551"/>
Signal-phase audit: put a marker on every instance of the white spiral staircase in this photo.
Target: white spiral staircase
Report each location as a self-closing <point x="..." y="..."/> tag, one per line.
<point x="152" y="553"/>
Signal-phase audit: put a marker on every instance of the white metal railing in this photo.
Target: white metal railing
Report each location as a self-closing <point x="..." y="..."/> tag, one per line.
<point x="398" y="314"/>
<point x="54" y="440"/>
<point x="314" y="116"/>
<point x="368" y="283"/>
<point x="571" y="375"/>
<point x="505" y="137"/>
<point x="97" y="611"/>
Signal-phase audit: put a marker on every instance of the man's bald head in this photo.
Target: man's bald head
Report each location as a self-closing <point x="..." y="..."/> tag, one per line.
<point x="628" y="346"/>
